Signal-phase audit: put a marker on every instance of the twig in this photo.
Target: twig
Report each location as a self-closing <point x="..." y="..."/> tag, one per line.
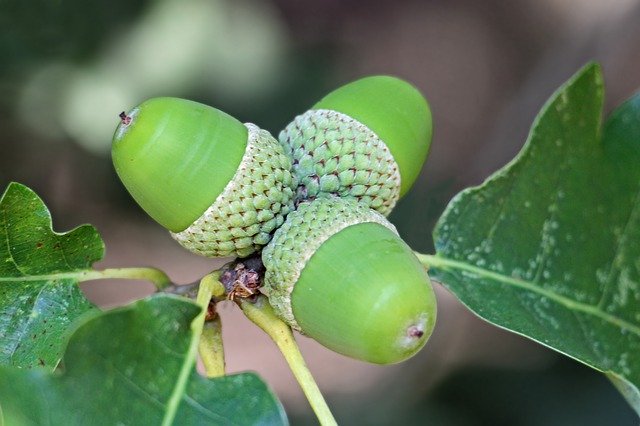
<point x="261" y="313"/>
<point x="155" y="276"/>
<point x="210" y="346"/>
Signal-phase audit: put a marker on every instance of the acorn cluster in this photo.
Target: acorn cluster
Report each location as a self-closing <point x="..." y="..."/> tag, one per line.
<point x="313" y="203"/>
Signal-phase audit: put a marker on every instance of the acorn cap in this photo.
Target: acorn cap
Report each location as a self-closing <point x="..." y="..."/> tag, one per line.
<point x="334" y="154"/>
<point x="221" y="187"/>
<point x="176" y="156"/>
<point x="251" y="207"/>
<point x="393" y="109"/>
<point x="338" y="272"/>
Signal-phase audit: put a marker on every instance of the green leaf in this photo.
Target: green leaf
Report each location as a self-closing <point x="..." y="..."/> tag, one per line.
<point x="39" y="296"/>
<point x="133" y="365"/>
<point x="549" y="246"/>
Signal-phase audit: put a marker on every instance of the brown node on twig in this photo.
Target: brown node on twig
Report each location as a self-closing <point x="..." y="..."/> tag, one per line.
<point x="243" y="278"/>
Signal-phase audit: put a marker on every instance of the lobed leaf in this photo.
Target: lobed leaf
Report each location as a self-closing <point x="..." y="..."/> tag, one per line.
<point x="39" y="295"/>
<point x="132" y="365"/>
<point x="549" y="246"/>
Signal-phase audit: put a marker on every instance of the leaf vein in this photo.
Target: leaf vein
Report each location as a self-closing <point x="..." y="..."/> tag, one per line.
<point x="130" y="384"/>
<point x="203" y="410"/>
<point x="30" y="319"/>
<point x="635" y="211"/>
<point x="8" y="242"/>
<point x="444" y="263"/>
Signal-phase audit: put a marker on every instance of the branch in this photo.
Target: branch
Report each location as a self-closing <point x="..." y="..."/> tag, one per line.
<point x="427" y="260"/>
<point x="210" y="346"/>
<point x="261" y="313"/>
<point x="155" y="276"/>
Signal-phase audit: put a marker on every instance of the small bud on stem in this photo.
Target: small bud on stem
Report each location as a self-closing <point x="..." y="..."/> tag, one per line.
<point x="243" y="278"/>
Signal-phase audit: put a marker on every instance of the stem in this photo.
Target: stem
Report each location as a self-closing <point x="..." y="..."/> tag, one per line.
<point x="210" y="346"/>
<point x="203" y="298"/>
<point x="212" y="281"/>
<point x="261" y="313"/>
<point x="156" y="276"/>
<point x="427" y="260"/>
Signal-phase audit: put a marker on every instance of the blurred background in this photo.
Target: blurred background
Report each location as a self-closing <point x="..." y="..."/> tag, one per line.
<point x="68" y="67"/>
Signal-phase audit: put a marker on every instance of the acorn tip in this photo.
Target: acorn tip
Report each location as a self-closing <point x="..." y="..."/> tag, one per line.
<point x="124" y="118"/>
<point x="415" y="331"/>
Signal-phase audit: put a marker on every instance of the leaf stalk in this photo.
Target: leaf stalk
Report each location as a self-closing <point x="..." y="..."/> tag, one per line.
<point x="210" y="346"/>
<point x="160" y="279"/>
<point x="261" y="313"/>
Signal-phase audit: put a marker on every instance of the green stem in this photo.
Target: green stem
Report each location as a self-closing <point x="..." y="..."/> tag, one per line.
<point x="211" y="347"/>
<point x="212" y="280"/>
<point x="529" y="286"/>
<point x="156" y="276"/>
<point x="204" y="296"/>
<point x="427" y="260"/>
<point x="261" y="313"/>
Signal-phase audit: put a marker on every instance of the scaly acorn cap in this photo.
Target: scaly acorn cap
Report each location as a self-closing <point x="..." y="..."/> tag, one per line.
<point x="367" y="139"/>
<point x="338" y="272"/>
<point x="219" y="186"/>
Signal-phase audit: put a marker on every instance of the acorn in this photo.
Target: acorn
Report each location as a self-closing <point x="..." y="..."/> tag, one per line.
<point x="338" y="272"/>
<point x="367" y="139"/>
<point x="219" y="186"/>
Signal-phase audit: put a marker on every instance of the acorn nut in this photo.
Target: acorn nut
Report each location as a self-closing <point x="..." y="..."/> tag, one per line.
<point x="221" y="187"/>
<point x="338" y="272"/>
<point x="367" y="139"/>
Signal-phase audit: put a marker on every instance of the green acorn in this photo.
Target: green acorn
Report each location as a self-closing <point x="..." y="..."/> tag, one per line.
<point x="220" y="187"/>
<point x="367" y="139"/>
<point x="338" y="272"/>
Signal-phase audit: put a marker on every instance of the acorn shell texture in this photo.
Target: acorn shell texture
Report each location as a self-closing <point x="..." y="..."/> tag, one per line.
<point x="338" y="272"/>
<point x="252" y="205"/>
<point x="335" y="154"/>
<point x="367" y="139"/>
<point x="299" y="238"/>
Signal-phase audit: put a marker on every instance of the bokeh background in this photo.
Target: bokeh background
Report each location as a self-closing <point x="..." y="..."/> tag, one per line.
<point x="68" y="67"/>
